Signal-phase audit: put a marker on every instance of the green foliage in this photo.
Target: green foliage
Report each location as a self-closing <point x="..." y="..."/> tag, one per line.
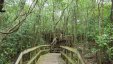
<point x="102" y="41"/>
<point x="78" y="17"/>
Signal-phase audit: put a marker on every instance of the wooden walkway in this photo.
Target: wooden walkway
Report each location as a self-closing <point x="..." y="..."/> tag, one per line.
<point x="51" y="58"/>
<point x="71" y="56"/>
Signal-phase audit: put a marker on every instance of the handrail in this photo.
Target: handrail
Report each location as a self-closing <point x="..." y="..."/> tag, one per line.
<point x="38" y="54"/>
<point x="34" y="48"/>
<point x="68" y="58"/>
<point x="75" y="51"/>
<point x="27" y="51"/>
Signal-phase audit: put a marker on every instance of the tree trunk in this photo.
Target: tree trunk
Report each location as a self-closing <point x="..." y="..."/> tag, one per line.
<point x="111" y="16"/>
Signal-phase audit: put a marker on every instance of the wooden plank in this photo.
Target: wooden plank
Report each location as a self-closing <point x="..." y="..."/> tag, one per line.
<point x="74" y="50"/>
<point x="51" y="58"/>
<point x="68" y="58"/>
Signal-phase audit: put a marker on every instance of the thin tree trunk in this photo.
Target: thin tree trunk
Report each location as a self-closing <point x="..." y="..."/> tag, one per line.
<point x="111" y="16"/>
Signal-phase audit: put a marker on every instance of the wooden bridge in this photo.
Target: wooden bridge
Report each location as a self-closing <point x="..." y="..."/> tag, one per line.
<point x="42" y="55"/>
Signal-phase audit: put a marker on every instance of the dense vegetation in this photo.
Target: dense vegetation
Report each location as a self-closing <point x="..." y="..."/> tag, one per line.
<point x="24" y="22"/>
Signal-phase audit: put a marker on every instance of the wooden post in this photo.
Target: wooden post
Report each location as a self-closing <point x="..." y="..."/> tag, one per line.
<point x="21" y="61"/>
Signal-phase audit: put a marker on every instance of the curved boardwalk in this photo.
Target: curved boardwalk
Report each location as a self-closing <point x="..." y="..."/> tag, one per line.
<point x="51" y="58"/>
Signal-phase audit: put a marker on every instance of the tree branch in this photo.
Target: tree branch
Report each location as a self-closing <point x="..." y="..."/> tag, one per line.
<point x="62" y="15"/>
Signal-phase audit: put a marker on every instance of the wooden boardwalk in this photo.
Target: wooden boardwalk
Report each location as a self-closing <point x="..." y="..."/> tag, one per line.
<point x="51" y="58"/>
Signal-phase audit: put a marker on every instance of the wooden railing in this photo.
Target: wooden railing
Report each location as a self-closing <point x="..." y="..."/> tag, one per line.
<point x="32" y="54"/>
<point x="71" y="55"/>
